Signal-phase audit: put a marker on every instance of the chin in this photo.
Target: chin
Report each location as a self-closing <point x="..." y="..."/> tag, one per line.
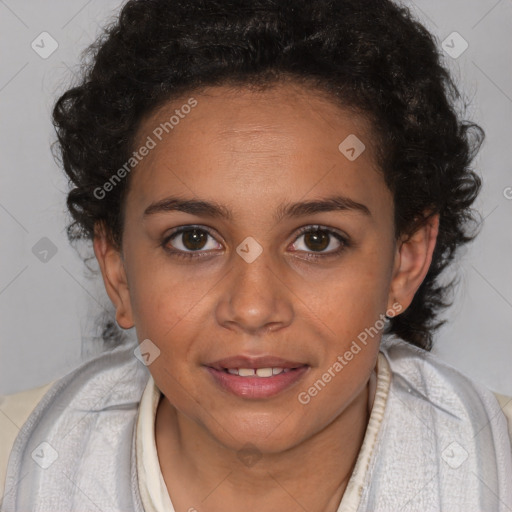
<point x="268" y="434"/>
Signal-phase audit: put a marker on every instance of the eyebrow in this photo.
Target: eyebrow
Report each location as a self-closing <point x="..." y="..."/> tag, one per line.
<point x="287" y="210"/>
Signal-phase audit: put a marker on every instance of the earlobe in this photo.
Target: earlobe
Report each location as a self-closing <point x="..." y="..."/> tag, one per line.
<point x="412" y="261"/>
<point x="114" y="277"/>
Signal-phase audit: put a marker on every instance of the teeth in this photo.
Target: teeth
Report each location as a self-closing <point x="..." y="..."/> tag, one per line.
<point x="264" y="372"/>
<point x="259" y="372"/>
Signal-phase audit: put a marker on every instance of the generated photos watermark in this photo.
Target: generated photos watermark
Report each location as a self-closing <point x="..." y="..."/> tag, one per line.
<point x="144" y="150"/>
<point x="304" y="397"/>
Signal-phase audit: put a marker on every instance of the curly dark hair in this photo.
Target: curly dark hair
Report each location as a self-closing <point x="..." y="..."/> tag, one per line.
<point x="371" y="56"/>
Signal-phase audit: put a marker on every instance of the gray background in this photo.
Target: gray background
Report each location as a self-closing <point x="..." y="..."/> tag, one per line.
<point x="48" y="309"/>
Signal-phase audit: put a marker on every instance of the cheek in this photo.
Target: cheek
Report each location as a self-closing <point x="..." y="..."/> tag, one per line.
<point x="164" y="297"/>
<point x="351" y="311"/>
<point x="336" y="387"/>
<point x="357" y="295"/>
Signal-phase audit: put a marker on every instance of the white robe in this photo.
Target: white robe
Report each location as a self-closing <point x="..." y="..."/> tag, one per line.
<point x="442" y="444"/>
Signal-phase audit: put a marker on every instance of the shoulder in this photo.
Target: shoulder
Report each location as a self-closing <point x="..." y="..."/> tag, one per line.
<point x="14" y="412"/>
<point x="443" y="385"/>
<point x="87" y="387"/>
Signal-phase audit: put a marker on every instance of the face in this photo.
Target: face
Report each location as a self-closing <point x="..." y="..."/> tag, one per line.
<point x="252" y="241"/>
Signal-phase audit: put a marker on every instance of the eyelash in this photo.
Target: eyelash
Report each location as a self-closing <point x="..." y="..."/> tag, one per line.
<point x="306" y="229"/>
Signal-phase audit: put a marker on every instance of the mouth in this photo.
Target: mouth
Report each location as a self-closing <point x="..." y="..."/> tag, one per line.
<point x="257" y="377"/>
<point x="257" y="372"/>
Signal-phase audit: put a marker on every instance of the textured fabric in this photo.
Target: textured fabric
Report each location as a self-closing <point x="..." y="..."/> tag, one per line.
<point x="76" y="451"/>
<point x="442" y="443"/>
<point x="14" y="412"/>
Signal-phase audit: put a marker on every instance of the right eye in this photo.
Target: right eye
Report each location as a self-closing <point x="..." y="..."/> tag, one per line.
<point x="187" y="240"/>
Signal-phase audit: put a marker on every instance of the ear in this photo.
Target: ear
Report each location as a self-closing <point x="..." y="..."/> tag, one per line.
<point x="412" y="261"/>
<point x="114" y="276"/>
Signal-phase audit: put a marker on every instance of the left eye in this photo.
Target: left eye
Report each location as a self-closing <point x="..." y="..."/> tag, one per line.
<point x="318" y="239"/>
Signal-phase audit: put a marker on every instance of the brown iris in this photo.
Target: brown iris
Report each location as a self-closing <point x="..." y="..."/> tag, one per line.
<point x="316" y="240"/>
<point x="194" y="239"/>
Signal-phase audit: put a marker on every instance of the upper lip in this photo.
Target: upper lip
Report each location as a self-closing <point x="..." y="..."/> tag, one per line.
<point x="254" y="362"/>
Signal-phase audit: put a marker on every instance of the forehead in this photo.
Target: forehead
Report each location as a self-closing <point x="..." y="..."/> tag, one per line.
<point x="247" y="143"/>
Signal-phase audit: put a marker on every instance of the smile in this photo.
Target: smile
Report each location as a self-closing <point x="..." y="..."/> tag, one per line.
<point x="257" y="383"/>
<point x="258" y="372"/>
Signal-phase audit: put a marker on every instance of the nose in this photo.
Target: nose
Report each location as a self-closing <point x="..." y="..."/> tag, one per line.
<point x="254" y="299"/>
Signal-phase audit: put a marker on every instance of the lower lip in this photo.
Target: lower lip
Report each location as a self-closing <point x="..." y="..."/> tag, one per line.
<point x="257" y="387"/>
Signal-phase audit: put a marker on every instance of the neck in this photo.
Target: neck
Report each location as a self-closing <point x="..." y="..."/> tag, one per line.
<point x="312" y="475"/>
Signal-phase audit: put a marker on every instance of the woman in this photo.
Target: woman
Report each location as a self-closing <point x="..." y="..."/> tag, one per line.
<point x="272" y="190"/>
